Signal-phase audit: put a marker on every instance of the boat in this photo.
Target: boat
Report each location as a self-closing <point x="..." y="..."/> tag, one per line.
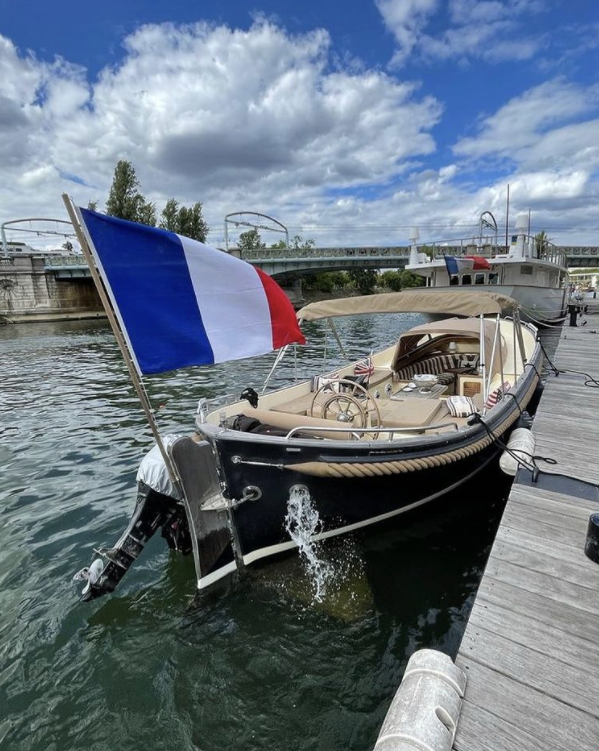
<point x="379" y="437"/>
<point x="531" y="270"/>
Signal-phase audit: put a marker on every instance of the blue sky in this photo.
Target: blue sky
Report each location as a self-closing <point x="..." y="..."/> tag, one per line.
<point x="348" y="122"/>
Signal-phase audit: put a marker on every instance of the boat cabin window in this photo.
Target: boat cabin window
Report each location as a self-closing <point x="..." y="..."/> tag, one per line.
<point x="493" y="278"/>
<point x="479" y="279"/>
<point x="454" y="280"/>
<point x="467" y="279"/>
<point x="525" y="269"/>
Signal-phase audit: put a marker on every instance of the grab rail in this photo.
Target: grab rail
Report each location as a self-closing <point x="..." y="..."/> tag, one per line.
<point x="354" y="431"/>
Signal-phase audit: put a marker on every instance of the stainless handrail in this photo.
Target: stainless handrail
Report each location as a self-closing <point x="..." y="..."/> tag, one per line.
<point x="353" y="431"/>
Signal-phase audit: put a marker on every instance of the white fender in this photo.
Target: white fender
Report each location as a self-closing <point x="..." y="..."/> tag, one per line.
<point x="521" y="445"/>
<point x="425" y="710"/>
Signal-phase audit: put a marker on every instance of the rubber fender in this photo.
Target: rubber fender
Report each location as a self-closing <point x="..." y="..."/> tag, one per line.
<point x="425" y="710"/>
<point x="521" y="446"/>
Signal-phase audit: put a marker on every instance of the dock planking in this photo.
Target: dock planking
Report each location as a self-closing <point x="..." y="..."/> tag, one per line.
<point x="531" y="646"/>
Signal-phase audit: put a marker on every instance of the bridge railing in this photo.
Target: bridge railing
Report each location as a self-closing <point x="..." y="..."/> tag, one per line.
<point x="275" y="254"/>
<point x="59" y="262"/>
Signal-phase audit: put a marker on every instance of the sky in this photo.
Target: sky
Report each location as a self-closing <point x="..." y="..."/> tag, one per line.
<point x="349" y="122"/>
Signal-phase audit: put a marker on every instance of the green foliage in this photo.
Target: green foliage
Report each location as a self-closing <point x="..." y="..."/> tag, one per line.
<point x="327" y="281"/>
<point x="541" y="242"/>
<point x="398" y="280"/>
<point x="170" y="215"/>
<point x="339" y="279"/>
<point x="67" y="245"/>
<point x="364" y="280"/>
<point x="184" y="221"/>
<point x="92" y="205"/>
<point x="250" y="240"/>
<point x="408" y="279"/>
<point x="125" y="201"/>
<point x="297" y="242"/>
<point x="391" y="280"/>
<point x="146" y="214"/>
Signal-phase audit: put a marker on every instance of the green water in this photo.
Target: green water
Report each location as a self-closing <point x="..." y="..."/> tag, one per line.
<point x="256" y="665"/>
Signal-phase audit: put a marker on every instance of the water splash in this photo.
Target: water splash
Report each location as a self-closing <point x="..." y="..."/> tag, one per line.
<point x="303" y="523"/>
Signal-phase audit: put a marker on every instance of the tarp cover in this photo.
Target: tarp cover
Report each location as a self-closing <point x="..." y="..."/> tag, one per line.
<point x="460" y="303"/>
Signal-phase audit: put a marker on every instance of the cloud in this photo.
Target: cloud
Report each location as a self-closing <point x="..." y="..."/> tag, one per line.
<point x="527" y="128"/>
<point x="228" y="116"/>
<point x="464" y="31"/>
<point x="265" y="120"/>
<point x="406" y="19"/>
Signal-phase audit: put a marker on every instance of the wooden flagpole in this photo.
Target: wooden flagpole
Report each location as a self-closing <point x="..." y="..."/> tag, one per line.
<point x="86" y="243"/>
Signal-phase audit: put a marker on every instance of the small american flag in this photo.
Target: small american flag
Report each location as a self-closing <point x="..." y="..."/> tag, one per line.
<point x="364" y="367"/>
<point x="497" y="395"/>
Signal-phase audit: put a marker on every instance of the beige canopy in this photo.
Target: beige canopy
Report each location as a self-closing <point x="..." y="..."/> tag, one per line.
<point x="460" y="303"/>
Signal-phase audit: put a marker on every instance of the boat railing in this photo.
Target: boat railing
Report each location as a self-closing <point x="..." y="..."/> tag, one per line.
<point x="553" y="254"/>
<point x="357" y="432"/>
<point x="480" y="246"/>
<point x="211" y="404"/>
<point x="490" y="246"/>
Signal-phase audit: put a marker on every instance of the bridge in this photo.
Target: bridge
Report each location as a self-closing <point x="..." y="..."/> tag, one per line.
<point x="286" y="264"/>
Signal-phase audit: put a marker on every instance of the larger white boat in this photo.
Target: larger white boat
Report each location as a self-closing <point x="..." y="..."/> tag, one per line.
<point x="530" y="270"/>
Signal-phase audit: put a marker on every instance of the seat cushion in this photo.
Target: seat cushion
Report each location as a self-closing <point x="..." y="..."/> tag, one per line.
<point x="411" y="413"/>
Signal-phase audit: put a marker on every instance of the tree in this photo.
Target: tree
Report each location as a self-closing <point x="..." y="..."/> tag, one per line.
<point x="541" y="243"/>
<point x="125" y="201"/>
<point x="146" y="214"/>
<point x="409" y="279"/>
<point x="250" y="240"/>
<point x="184" y="221"/>
<point x="169" y="215"/>
<point x="364" y="280"/>
<point x="391" y="280"/>
<point x="197" y="225"/>
<point x="297" y="242"/>
<point x="68" y="246"/>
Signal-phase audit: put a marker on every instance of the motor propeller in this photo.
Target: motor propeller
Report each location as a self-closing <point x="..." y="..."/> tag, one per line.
<point x="90" y="574"/>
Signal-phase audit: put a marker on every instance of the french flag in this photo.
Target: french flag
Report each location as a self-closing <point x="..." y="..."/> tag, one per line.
<point x="180" y="302"/>
<point x="457" y="265"/>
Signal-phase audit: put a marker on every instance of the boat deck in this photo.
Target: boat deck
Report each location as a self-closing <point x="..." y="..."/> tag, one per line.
<point x="531" y="646"/>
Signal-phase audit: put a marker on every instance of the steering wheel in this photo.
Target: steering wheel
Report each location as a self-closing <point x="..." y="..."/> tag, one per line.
<point x="345" y="407"/>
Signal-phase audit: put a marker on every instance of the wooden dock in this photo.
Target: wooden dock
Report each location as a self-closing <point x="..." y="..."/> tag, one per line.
<point x="531" y="647"/>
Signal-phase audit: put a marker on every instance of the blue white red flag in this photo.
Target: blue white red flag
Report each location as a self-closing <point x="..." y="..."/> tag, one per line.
<point x="180" y="302"/>
<point x="457" y="265"/>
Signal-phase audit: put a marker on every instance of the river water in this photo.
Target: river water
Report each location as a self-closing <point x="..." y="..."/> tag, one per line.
<point x="259" y="664"/>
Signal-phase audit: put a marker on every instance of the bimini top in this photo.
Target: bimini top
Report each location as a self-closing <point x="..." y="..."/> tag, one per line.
<point x="459" y="303"/>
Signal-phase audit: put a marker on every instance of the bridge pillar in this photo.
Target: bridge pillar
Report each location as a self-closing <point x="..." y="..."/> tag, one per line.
<point x="294" y="292"/>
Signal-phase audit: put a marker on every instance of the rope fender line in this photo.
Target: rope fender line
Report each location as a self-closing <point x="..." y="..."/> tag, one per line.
<point x="398" y="466"/>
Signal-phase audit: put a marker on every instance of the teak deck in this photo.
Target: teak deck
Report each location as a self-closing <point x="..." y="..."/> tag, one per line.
<point x="531" y="646"/>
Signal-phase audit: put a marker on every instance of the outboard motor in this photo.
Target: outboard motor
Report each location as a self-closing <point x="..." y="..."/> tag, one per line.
<point x="157" y="506"/>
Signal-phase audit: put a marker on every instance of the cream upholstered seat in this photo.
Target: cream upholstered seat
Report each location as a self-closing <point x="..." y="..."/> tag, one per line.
<point x="412" y="412"/>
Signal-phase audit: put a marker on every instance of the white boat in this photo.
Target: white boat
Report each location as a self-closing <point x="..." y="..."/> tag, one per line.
<point x="530" y="270"/>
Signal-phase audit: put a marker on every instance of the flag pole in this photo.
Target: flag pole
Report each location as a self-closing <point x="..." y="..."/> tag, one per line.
<point x="86" y="242"/>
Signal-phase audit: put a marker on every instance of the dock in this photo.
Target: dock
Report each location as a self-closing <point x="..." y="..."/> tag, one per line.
<point x="530" y="650"/>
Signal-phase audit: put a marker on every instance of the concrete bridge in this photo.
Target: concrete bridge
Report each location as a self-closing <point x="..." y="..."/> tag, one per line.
<point x="287" y="264"/>
<point x="44" y="285"/>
